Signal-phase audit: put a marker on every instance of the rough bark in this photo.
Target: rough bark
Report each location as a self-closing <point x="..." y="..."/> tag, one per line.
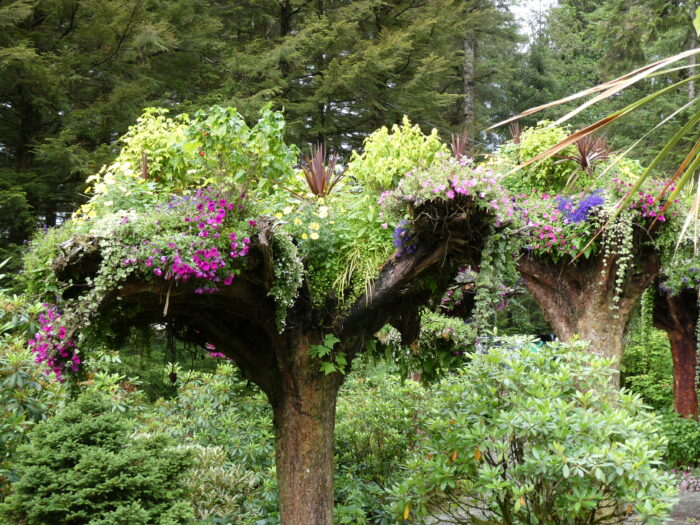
<point x="578" y="299"/>
<point x="468" y="65"/>
<point x="304" y="417"/>
<point x="677" y="315"/>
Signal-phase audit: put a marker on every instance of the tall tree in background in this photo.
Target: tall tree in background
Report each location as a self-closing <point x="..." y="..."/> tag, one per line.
<point x="73" y="74"/>
<point x="342" y="68"/>
<point x="489" y="57"/>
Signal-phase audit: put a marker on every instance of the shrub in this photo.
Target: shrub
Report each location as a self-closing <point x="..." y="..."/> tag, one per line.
<point x="683" y="439"/>
<point x="530" y="435"/>
<point x="549" y="175"/>
<point x="647" y="367"/>
<point x="27" y="395"/>
<point x="377" y="422"/>
<point x="388" y="156"/>
<point x="229" y="425"/>
<point x="85" y="466"/>
<point x="217" y="486"/>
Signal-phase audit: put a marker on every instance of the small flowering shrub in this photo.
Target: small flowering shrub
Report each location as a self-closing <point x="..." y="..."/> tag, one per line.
<point x="450" y="179"/>
<point x="51" y="346"/>
<point x="27" y="394"/>
<point x="536" y="435"/>
<point x="84" y="465"/>
<point x="561" y="225"/>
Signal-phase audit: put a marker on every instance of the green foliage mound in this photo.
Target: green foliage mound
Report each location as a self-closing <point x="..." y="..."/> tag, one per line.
<point x="387" y="157"/>
<point x="84" y="466"/>
<point x="530" y="435"/>
<point x="647" y="367"/>
<point x="549" y="175"/>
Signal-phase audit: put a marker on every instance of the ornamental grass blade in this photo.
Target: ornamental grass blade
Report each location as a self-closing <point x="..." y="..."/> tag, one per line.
<point x="622" y="155"/>
<point x="689" y="171"/>
<point x="680" y="169"/>
<point x="692" y="217"/>
<point x="688" y="126"/>
<point x="643" y="73"/>
<point x="605" y="121"/>
<point x="608" y="88"/>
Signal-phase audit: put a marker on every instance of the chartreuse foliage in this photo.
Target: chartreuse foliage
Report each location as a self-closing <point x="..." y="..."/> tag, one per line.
<point x="387" y="157"/>
<point x="529" y="435"/>
<point x="549" y="175"/>
<point x="84" y="465"/>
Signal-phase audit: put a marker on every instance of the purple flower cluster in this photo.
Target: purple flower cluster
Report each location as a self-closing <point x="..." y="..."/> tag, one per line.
<point x="575" y="214"/>
<point x="404" y="240"/>
<point x="51" y="345"/>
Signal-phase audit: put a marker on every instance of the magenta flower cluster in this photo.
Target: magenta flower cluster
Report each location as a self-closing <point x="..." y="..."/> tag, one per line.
<point x="212" y="352"/>
<point x="644" y="202"/>
<point x="51" y="345"/>
<point x="206" y="254"/>
<point x="478" y="185"/>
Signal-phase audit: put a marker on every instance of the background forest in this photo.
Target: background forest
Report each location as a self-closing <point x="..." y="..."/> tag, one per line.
<point x="124" y="169"/>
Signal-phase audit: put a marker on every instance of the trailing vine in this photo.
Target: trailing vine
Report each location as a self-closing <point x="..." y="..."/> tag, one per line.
<point x="498" y="266"/>
<point x="289" y="274"/>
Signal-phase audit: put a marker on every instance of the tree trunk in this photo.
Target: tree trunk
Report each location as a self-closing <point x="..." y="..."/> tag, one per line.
<point x="579" y="299"/>
<point x="468" y="78"/>
<point x="677" y="315"/>
<point x="304" y="420"/>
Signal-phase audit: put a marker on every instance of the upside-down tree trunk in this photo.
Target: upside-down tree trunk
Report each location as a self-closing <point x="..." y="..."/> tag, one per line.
<point x="304" y="420"/>
<point x="240" y="321"/>
<point x="579" y="299"/>
<point x="677" y="315"/>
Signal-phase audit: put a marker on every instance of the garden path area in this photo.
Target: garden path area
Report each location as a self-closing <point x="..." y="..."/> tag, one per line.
<point x="687" y="511"/>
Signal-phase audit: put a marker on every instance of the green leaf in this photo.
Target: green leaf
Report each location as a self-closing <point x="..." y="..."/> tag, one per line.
<point x="328" y="367"/>
<point x="330" y="340"/>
